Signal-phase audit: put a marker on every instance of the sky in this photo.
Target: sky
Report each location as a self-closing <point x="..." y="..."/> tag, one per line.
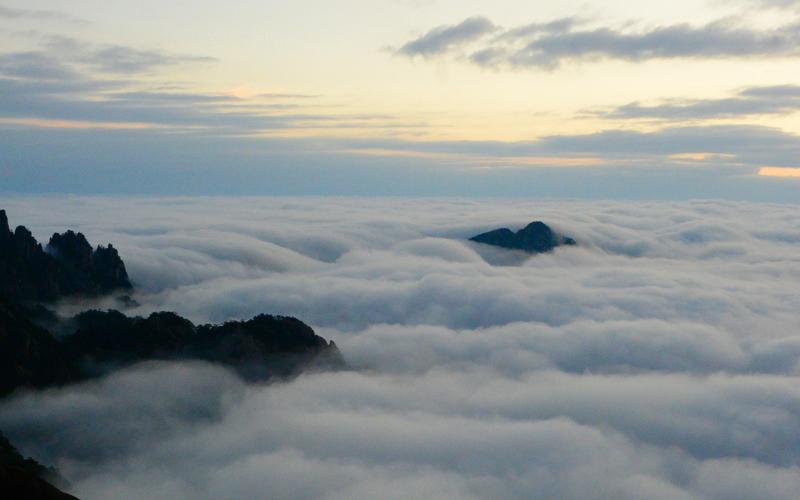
<point x="690" y="99"/>
<point x="657" y="359"/>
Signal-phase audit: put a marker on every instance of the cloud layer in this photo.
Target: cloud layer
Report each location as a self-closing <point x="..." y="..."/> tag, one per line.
<point x="549" y="45"/>
<point x="658" y="359"/>
<point x="81" y="116"/>
<point x="753" y="101"/>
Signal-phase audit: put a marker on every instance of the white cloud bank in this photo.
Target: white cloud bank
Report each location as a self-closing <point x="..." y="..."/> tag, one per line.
<point x="659" y="359"/>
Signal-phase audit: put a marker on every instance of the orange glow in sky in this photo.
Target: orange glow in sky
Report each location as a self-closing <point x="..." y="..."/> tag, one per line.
<point x="779" y="172"/>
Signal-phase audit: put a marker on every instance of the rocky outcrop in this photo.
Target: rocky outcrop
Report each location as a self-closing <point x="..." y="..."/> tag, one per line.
<point x="536" y="237"/>
<point x="68" y="266"/>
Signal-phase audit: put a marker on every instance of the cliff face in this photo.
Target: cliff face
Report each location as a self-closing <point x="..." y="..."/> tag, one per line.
<point x="67" y="267"/>
<point x="536" y="237"/>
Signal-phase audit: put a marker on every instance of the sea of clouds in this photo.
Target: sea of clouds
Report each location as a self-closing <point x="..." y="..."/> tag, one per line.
<point x="658" y="359"/>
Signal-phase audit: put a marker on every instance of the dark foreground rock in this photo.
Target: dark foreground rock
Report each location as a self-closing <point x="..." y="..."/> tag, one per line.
<point x="67" y="266"/>
<point x="24" y="478"/>
<point x="536" y="237"/>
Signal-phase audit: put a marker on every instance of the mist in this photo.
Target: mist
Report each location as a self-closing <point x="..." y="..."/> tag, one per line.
<point x="660" y="358"/>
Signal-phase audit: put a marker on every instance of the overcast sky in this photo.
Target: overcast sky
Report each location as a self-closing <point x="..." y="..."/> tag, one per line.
<point x="609" y="99"/>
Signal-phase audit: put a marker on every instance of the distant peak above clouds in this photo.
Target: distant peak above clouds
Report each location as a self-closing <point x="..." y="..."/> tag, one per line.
<point x="536" y="237"/>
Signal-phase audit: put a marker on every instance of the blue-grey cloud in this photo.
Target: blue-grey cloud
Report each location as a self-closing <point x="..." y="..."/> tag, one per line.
<point x="36" y="65"/>
<point x="774" y="4"/>
<point x="62" y="81"/>
<point x="767" y="100"/>
<point x="448" y="37"/>
<point x="67" y="79"/>
<point x="116" y="59"/>
<point x="42" y="85"/>
<point x="549" y="45"/>
<point x="120" y="59"/>
<point x="744" y="144"/>
<point x="35" y="14"/>
<point x="639" y="165"/>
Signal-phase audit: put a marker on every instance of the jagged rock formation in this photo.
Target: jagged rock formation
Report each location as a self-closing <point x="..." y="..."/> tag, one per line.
<point x="22" y="477"/>
<point x="67" y="267"/>
<point x="536" y="237"/>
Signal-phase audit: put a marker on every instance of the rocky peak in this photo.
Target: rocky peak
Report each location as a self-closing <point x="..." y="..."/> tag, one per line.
<point x="536" y="237"/>
<point x="108" y="269"/>
<point x="73" y="248"/>
<point x="5" y="231"/>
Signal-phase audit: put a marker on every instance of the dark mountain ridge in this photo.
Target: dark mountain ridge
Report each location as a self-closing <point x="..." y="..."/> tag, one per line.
<point x="536" y="237"/>
<point x="258" y="349"/>
<point x="98" y="342"/>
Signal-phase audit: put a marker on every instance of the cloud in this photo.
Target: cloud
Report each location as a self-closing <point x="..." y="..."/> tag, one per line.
<point x="61" y="83"/>
<point x="116" y="59"/>
<point x="71" y="84"/>
<point x="283" y="95"/>
<point x="219" y="156"/>
<point x="39" y="15"/>
<point x="36" y="65"/>
<point x="63" y="58"/>
<point x="445" y="38"/>
<point x="658" y="359"/>
<point x="75" y="119"/>
<point x="773" y="4"/>
<point x="553" y="44"/>
<point x="752" y="101"/>
<point x="725" y="145"/>
<point x="120" y="59"/>
<point x="69" y="108"/>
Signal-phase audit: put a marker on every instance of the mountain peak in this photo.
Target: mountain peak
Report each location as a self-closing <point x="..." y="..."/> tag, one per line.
<point x="536" y="237"/>
<point x="4" y="229"/>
